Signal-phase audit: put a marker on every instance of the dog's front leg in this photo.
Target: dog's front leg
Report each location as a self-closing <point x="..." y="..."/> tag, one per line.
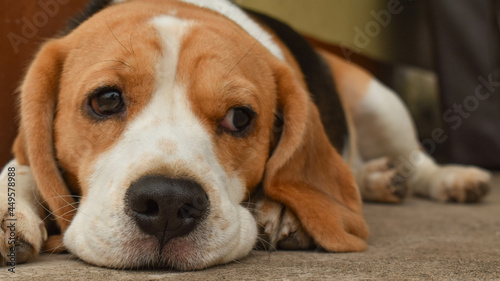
<point x="22" y="231"/>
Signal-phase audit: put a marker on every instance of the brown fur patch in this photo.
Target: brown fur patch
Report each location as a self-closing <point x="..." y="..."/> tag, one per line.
<point x="54" y="244"/>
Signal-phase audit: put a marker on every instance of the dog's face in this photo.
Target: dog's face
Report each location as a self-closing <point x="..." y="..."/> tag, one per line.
<point x="159" y="111"/>
<point x="161" y="116"/>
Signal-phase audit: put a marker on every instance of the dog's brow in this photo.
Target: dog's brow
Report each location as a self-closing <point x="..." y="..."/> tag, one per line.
<point x="237" y="87"/>
<point x="115" y="62"/>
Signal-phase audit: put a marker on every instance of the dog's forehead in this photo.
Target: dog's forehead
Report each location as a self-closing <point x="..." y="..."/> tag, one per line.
<point x="119" y="30"/>
<point x="129" y="15"/>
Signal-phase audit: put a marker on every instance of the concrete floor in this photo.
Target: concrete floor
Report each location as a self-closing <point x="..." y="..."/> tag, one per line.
<point x="416" y="240"/>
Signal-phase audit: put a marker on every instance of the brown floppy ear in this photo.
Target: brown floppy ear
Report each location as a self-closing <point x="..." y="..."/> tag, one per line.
<point x="34" y="145"/>
<point x="309" y="176"/>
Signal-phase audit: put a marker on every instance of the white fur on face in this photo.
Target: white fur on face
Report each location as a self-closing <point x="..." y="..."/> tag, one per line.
<point x="166" y="136"/>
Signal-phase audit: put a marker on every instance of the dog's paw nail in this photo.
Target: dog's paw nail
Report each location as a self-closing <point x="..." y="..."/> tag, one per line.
<point x="285" y="231"/>
<point x="268" y="227"/>
<point x="460" y="184"/>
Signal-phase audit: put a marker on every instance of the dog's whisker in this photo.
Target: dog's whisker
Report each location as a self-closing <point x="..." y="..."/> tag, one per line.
<point x="42" y="203"/>
<point x="50" y="213"/>
<point x="57" y="196"/>
<point x="72" y="210"/>
<point x="55" y="217"/>
<point x="246" y="54"/>
<point x="72" y="196"/>
<point x="116" y="38"/>
<point x="267" y="243"/>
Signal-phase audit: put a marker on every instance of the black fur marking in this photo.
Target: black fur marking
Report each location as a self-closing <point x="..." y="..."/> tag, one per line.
<point x="93" y="7"/>
<point x="318" y="76"/>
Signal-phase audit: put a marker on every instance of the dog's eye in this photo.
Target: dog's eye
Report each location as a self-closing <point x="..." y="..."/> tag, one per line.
<point x="107" y="101"/>
<point x="238" y="119"/>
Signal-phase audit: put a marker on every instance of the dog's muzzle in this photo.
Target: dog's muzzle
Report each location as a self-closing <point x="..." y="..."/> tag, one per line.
<point x="166" y="207"/>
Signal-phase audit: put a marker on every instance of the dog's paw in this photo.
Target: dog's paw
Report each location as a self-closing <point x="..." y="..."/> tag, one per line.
<point x="22" y="233"/>
<point x="279" y="228"/>
<point x="459" y="184"/>
<point x="379" y="181"/>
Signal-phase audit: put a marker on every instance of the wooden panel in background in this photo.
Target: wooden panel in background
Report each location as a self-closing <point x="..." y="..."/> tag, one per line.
<point x="24" y="25"/>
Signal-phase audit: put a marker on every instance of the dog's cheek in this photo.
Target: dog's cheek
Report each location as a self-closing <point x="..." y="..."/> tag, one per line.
<point x="71" y="151"/>
<point x="245" y="159"/>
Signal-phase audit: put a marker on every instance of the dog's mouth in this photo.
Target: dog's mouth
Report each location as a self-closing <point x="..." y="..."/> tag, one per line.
<point x="180" y="253"/>
<point x="160" y="223"/>
<point x="193" y="251"/>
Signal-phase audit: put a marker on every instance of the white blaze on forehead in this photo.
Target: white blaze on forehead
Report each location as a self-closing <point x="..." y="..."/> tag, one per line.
<point x="171" y="107"/>
<point x="171" y="31"/>
<point x="238" y="16"/>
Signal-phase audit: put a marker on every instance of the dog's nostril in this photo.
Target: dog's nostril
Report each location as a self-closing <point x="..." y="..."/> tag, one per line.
<point x="183" y="212"/>
<point x="147" y="207"/>
<point x="151" y="208"/>
<point x="187" y="211"/>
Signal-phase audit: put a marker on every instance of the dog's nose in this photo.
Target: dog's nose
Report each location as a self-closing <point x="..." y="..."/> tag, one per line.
<point x="166" y="207"/>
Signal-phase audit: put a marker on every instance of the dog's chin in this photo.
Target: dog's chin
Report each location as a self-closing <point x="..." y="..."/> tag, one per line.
<point x="204" y="247"/>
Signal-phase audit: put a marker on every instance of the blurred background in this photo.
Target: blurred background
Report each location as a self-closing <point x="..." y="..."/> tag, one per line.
<point x="411" y="46"/>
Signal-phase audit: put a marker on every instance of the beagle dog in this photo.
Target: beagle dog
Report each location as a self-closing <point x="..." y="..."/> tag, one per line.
<point x="179" y="133"/>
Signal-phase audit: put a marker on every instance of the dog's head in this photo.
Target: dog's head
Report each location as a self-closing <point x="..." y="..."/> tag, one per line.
<point x="162" y="116"/>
